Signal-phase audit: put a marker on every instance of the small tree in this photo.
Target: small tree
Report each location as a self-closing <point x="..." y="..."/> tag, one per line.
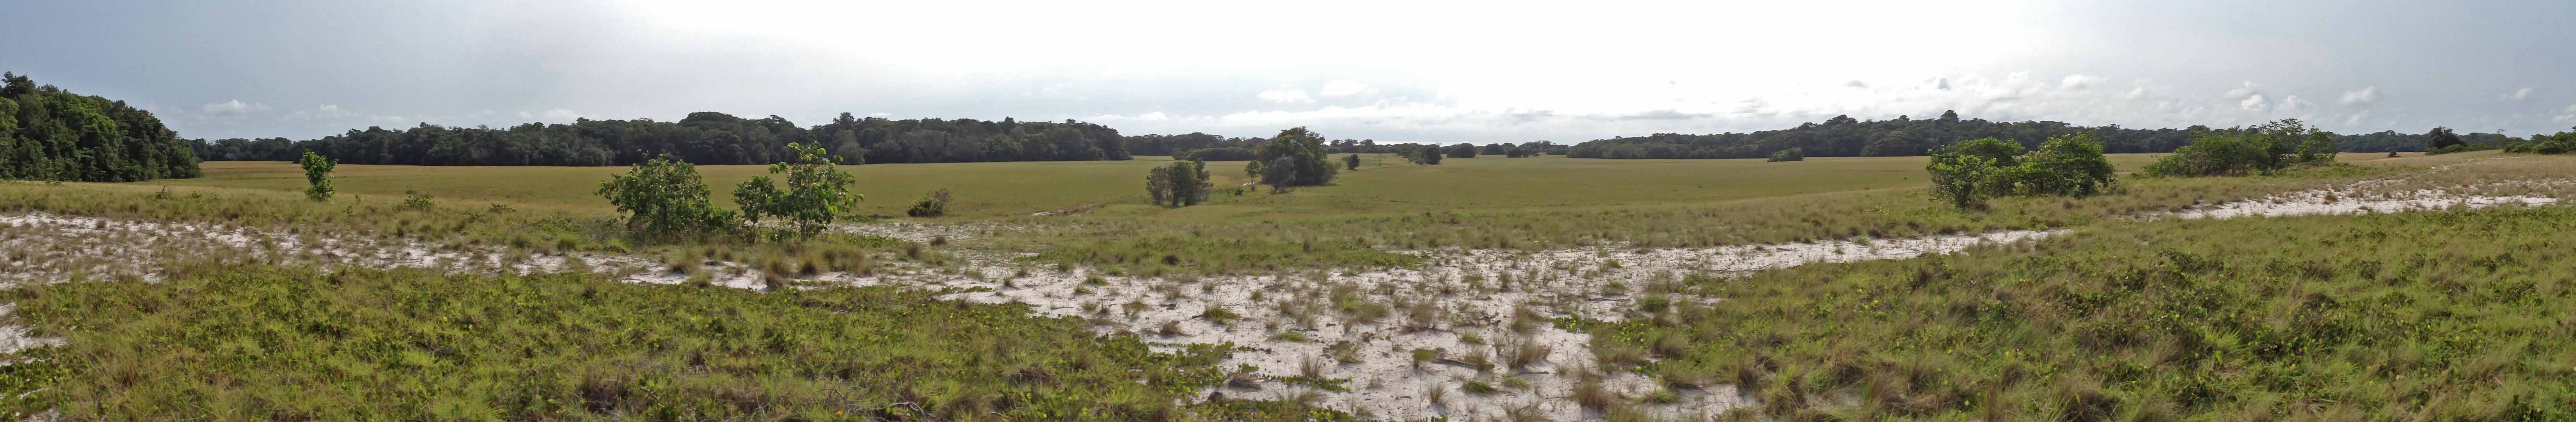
<point x="1253" y="169"/>
<point x="1351" y="162"/>
<point x="664" y="198"/>
<point x="1962" y="178"/>
<point x="317" y="172"/>
<point x="1158" y="185"/>
<point x="2070" y="165"/>
<point x="2441" y="137"/>
<point x="817" y="191"/>
<point x="1192" y="189"/>
<point x="1280" y="174"/>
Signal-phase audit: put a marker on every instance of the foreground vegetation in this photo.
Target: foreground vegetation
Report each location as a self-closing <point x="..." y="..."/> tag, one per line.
<point x="2418" y="316"/>
<point x="291" y="343"/>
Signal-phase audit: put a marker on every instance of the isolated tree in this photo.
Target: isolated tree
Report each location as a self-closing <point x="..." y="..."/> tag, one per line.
<point x="2441" y="137"/>
<point x="1253" y="169"/>
<point x="2070" y="165"/>
<point x="817" y="191"/>
<point x="1158" y="185"/>
<point x="317" y="173"/>
<point x="1351" y="162"/>
<point x="1196" y="191"/>
<point x="664" y="198"/>
<point x="1302" y="155"/>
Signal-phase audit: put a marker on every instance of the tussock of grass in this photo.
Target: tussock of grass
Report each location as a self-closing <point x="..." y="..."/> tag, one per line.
<point x="2431" y="316"/>
<point x="277" y="343"/>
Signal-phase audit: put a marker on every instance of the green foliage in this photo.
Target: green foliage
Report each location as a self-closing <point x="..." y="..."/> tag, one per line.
<point x="1253" y="169"/>
<point x="416" y="201"/>
<point x="1965" y="180"/>
<point x="1462" y="150"/>
<point x="317" y="174"/>
<point x="47" y="133"/>
<point x="1296" y="158"/>
<point x="702" y="138"/>
<point x="2441" y="137"/>
<point x="1968" y="173"/>
<point x="1424" y="154"/>
<point x="817" y="191"/>
<point x="1792" y="154"/>
<point x="1184" y="183"/>
<point x="1351" y="162"/>
<point x="2070" y="165"/>
<point x="2560" y="143"/>
<point x="289" y="343"/>
<point x="664" y="199"/>
<point x="1217" y="154"/>
<point x="933" y="204"/>
<point x="2265" y="148"/>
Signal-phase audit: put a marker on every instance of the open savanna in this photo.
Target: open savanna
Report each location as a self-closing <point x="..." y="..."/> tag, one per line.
<point x="1489" y="202"/>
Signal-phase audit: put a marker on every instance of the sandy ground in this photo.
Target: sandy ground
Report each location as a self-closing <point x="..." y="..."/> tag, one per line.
<point x="1482" y="315"/>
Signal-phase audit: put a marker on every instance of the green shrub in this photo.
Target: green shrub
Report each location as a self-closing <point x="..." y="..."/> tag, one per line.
<point x="817" y="191"/>
<point x="2070" y="165"/>
<point x="2213" y="154"/>
<point x="416" y="201"/>
<point x="933" y="204"/>
<point x="1298" y="156"/>
<point x="1966" y="180"/>
<point x="664" y="199"/>
<point x="1462" y="150"/>
<point x="317" y="172"/>
<point x="1792" y="154"/>
<point x="1351" y="162"/>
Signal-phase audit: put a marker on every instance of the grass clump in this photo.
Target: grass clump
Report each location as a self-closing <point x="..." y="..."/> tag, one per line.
<point x="283" y="343"/>
<point x="2431" y="316"/>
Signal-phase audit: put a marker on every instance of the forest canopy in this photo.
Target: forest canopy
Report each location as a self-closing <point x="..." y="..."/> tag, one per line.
<point x="1843" y="136"/>
<point x="47" y="133"/>
<point x="702" y="138"/>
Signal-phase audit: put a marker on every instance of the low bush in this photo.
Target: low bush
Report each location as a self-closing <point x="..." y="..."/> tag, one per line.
<point x="933" y="204"/>
<point x="317" y="176"/>
<point x="2262" y="149"/>
<point x="818" y="191"/>
<point x="664" y="199"/>
<point x="1969" y="172"/>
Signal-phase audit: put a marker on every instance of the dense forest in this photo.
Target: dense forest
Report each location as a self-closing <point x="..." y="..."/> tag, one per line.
<point x="47" y="133"/>
<point x="700" y="138"/>
<point x="1843" y="136"/>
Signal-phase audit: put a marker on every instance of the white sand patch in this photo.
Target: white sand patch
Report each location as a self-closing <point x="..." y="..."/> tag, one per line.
<point x="2354" y="200"/>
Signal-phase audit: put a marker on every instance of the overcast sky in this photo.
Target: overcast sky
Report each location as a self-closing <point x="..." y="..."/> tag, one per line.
<point x="1389" y="70"/>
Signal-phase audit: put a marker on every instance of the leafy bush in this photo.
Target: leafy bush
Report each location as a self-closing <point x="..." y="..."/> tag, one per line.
<point x="1300" y="153"/>
<point x="664" y="198"/>
<point x="817" y="191"/>
<point x="2442" y="137"/>
<point x="2260" y="149"/>
<point x="2453" y="148"/>
<point x="1351" y="162"/>
<point x="1280" y="174"/>
<point x="1792" y="154"/>
<point x="416" y="201"/>
<point x="1968" y="173"/>
<point x="2070" y="165"/>
<point x="317" y="173"/>
<point x="933" y="204"/>
<point x="1462" y="150"/>
<point x="1181" y="184"/>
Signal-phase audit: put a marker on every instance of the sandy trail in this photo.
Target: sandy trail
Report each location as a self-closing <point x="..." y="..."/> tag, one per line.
<point x="1477" y="311"/>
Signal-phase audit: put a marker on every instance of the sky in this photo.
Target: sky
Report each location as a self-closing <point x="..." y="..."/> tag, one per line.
<point x="1393" y="71"/>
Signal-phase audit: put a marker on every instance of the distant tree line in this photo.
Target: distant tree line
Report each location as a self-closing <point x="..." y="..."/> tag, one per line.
<point x="1843" y="136"/>
<point x="700" y="138"/>
<point x="1208" y="147"/>
<point x="47" y="133"/>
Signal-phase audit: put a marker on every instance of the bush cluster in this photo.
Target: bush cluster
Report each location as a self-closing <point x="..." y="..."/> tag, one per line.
<point x="2260" y="149"/>
<point x="933" y="204"/>
<point x="1792" y="154"/>
<point x="1181" y="184"/>
<point x="1969" y="172"/>
<point x="2560" y="143"/>
<point x="664" y="198"/>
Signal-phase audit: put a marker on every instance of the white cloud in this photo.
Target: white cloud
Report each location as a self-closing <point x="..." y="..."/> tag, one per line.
<point x="524" y="115"/>
<point x="2249" y="89"/>
<point x="325" y="112"/>
<point x="2294" y="103"/>
<point x="233" y="108"/>
<point x="880" y="114"/>
<point x="2516" y="95"/>
<point x="1345" y="88"/>
<point x="2077" y="82"/>
<point x="2363" y="96"/>
<point x="562" y="115"/>
<point x="1153" y="116"/>
<point x="2356" y="118"/>
<point x="1941" y="84"/>
<point x="2253" y="102"/>
<point x="1285" y="96"/>
<point x="2135" y="93"/>
<point x="2566" y="115"/>
<point x="1856" y="83"/>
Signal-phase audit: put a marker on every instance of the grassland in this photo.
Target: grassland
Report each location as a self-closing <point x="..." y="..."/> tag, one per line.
<point x="291" y="343"/>
<point x="2416" y="316"/>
